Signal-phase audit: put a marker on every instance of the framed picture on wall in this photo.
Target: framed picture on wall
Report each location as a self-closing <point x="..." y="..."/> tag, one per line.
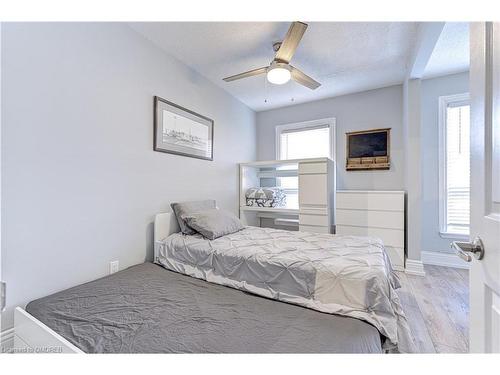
<point x="368" y="149"/>
<point x="179" y="131"/>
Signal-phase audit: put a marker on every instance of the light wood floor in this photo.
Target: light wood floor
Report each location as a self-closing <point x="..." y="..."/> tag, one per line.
<point x="437" y="308"/>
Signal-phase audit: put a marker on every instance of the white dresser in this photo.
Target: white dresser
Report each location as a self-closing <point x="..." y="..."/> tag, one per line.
<point x="374" y="213"/>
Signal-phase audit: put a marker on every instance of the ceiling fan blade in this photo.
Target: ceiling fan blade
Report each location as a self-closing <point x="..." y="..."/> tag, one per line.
<point x="250" y="73"/>
<point x="304" y="79"/>
<point x="291" y="42"/>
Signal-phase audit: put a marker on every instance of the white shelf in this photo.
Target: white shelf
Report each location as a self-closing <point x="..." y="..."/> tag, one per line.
<point x="316" y="187"/>
<point x="283" y="210"/>
<point x="279" y="163"/>
<point x="372" y="191"/>
<point x="278" y="173"/>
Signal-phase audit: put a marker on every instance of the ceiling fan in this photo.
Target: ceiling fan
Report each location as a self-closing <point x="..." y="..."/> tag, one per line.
<point x="280" y="71"/>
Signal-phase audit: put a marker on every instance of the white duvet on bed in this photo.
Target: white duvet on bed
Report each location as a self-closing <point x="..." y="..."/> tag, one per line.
<point x="344" y="275"/>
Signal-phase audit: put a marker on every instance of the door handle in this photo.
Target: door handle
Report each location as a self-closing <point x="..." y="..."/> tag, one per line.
<point x="465" y="249"/>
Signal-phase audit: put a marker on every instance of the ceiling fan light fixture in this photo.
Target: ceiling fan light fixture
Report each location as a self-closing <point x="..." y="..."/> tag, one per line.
<point x="280" y="71"/>
<point x="279" y="74"/>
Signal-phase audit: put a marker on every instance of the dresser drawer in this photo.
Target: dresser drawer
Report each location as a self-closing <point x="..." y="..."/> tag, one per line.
<point x="317" y="220"/>
<point x="397" y="257"/>
<point x="390" y="237"/>
<point x="311" y="228"/>
<point x="375" y="219"/>
<point x="386" y="201"/>
<point x="313" y="190"/>
<point x="308" y="168"/>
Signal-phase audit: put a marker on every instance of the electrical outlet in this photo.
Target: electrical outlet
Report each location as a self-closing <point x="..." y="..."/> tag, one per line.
<point x="114" y="266"/>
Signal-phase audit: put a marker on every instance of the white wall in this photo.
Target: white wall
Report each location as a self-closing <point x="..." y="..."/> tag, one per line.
<point x="413" y="172"/>
<point x="80" y="180"/>
<point x="381" y="108"/>
<point x="432" y="89"/>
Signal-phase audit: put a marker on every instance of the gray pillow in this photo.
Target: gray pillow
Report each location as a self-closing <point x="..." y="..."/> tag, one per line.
<point x="182" y="209"/>
<point x="214" y="223"/>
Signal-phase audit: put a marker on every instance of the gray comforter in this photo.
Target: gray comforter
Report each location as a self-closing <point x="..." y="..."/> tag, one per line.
<point x="344" y="275"/>
<point x="148" y="309"/>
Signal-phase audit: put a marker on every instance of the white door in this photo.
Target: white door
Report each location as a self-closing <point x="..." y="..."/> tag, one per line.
<point x="2" y="285"/>
<point x="485" y="186"/>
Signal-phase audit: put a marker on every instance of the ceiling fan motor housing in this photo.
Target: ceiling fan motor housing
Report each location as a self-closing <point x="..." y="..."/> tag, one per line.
<point x="279" y="70"/>
<point x="277" y="64"/>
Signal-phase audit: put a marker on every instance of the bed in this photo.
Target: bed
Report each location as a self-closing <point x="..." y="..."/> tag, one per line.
<point x="148" y="308"/>
<point x="342" y="275"/>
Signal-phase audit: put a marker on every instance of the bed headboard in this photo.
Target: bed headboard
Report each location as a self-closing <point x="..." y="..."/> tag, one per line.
<point x="165" y="224"/>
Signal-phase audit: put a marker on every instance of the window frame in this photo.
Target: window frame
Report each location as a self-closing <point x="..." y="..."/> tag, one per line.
<point x="305" y="125"/>
<point x="444" y="102"/>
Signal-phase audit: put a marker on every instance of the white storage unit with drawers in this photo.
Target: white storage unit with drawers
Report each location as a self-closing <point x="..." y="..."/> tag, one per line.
<point x="317" y="196"/>
<point x="374" y="213"/>
<point x="316" y="193"/>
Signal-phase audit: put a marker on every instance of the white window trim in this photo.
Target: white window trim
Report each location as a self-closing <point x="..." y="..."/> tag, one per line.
<point x="330" y="121"/>
<point x="443" y="105"/>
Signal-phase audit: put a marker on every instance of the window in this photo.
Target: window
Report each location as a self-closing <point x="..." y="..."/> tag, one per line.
<point x="454" y="165"/>
<point x="312" y="139"/>
<point x="305" y="143"/>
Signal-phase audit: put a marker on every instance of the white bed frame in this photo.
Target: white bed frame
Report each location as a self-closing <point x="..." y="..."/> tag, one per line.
<point x="32" y="336"/>
<point x="164" y="227"/>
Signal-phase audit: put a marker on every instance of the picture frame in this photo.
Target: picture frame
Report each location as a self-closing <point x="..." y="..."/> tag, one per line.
<point x="368" y="150"/>
<point x="180" y="131"/>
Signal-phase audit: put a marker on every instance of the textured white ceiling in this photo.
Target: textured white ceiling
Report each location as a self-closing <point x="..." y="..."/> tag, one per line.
<point x="451" y="53"/>
<point x="344" y="57"/>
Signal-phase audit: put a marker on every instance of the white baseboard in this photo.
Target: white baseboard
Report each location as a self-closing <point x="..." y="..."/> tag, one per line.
<point x="6" y="340"/>
<point x="443" y="259"/>
<point x="414" y="267"/>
